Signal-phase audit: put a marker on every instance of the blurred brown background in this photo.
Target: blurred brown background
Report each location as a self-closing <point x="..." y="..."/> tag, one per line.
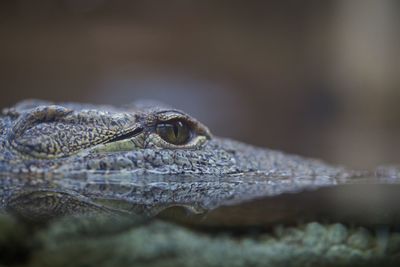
<point x="317" y="78"/>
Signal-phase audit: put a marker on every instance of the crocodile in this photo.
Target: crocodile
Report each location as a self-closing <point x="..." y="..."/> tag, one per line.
<point x="148" y="159"/>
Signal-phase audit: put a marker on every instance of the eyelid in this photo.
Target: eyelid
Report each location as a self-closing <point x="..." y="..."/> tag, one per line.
<point x="195" y="142"/>
<point x="167" y="116"/>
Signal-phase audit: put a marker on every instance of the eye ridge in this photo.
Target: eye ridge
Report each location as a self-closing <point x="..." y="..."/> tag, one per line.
<point x="176" y="132"/>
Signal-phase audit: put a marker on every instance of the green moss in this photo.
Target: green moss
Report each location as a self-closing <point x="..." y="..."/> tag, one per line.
<point x="158" y="243"/>
<point x="99" y="241"/>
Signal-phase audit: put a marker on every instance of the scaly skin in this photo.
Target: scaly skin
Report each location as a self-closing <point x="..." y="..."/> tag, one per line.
<point x="69" y="146"/>
<point x="71" y="158"/>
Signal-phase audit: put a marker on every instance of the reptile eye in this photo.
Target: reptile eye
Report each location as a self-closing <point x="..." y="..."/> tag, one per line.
<point x="175" y="132"/>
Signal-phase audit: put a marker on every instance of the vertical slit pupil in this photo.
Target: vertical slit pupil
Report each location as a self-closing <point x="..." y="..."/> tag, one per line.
<point x="176" y="126"/>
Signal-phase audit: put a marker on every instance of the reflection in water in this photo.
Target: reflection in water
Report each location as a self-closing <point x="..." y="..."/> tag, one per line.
<point x="242" y="199"/>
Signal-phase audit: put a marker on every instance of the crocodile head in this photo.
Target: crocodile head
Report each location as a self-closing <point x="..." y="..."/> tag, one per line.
<point x="149" y="156"/>
<point x="39" y="136"/>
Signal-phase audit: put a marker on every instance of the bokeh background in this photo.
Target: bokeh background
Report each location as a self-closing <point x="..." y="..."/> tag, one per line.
<point x="316" y="78"/>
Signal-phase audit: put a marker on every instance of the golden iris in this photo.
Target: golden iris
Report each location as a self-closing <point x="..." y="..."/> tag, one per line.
<point x="175" y="132"/>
